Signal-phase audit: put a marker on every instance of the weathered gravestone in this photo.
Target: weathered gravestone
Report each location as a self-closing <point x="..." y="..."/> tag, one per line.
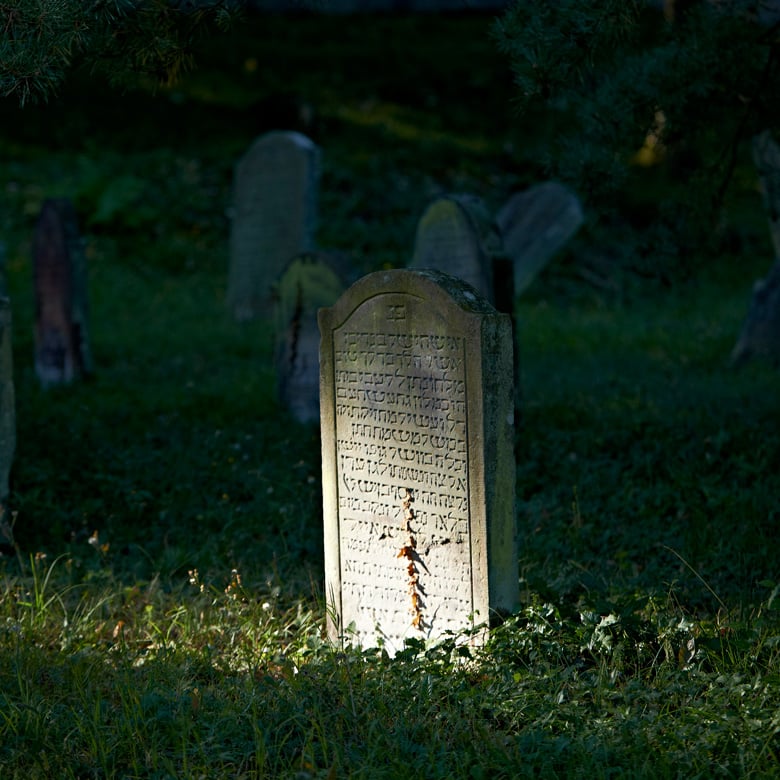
<point x="61" y="339"/>
<point x="7" y="412"/>
<point x="418" y="468"/>
<point x="760" y="335"/>
<point x="309" y="282"/>
<point x="274" y="217"/>
<point x="534" y="225"/>
<point x="456" y="234"/>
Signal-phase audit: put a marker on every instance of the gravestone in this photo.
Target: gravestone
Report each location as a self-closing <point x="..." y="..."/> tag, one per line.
<point x="766" y="158"/>
<point x="3" y="271"/>
<point x="456" y="234"/>
<point x="418" y="468"/>
<point x="534" y="225"/>
<point x="61" y="338"/>
<point x="760" y="334"/>
<point x="7" y="409"/>
<point x="309" y="282"/>
<point x="274" y="217"/>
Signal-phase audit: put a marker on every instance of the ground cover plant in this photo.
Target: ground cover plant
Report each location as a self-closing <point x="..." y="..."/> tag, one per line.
<point x="161" y="607"/>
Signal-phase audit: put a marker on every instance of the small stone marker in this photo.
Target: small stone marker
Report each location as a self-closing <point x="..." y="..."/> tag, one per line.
<point x="7" y="409"/>
<point x="456" y="235"/>
<point x="310" y="282"/>
<point x="274" y="219"/>
<point x="61" y="337"/>
<point x="418" y="468"/>
<point x="535" y="224"/>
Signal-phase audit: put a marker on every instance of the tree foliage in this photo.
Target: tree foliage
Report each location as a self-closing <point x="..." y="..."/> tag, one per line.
<point x="42" y="40"/>
<point x="688" y="81"/>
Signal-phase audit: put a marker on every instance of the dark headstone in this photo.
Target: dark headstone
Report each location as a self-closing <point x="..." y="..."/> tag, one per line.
<point x="275" y="215"/>
<point x="760" y="336"/>
<point x="310" y="282"/>
<point x="766" y="157"/>
<point x="61" y="338"/>
<point x="3" y="271"/>
<point x="7" y="407"/>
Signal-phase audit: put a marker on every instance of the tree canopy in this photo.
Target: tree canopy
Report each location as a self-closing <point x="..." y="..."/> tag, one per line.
<point x="681" y="83"/>
<point x="42" y="40"/>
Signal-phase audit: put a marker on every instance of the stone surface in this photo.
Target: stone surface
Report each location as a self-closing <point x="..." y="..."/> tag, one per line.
<point x="62" y="351"/>
<point x="534" y="225"/>
<point x="3" y="271"/>
<point x="760" y="336"/>
<point x="275" y="194"/>
<point x="456" y="234"/>
<point x="309" y="282"/>
<point x="418" y="468"/>
<point x="766" y="157"/>
<point x="7" y="406"/>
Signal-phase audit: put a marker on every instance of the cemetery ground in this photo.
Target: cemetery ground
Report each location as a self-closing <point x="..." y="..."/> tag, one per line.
<point x="161" y="584"/>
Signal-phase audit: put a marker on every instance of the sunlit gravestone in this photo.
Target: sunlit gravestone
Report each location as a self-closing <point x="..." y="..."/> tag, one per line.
<point x="275" y="193"/>
<point x="418" y="470"/>
<point x="62" y="351"/>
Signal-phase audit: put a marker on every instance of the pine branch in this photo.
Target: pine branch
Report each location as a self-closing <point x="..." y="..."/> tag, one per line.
<point x="601" y="73"/>
<point x="42" y="40"/>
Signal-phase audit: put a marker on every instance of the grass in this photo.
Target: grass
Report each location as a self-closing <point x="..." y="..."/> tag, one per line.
<point x="161" y="610"/>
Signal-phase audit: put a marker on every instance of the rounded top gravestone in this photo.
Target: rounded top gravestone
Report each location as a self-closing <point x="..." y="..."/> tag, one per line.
<point x="456" y="235"/>
<point x="275" y="193"/>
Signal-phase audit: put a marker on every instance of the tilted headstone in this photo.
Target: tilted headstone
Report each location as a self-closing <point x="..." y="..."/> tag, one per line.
<point x="418" y="467"/>
<point x="61" y="338"/>
<point x="275" y="194"/>
<point x="309" y="282"/>
<point x="534" y="225"/>
<point x="7" y="408"/>
<point x="760" y="335"/>
<point x="456" y="234"/>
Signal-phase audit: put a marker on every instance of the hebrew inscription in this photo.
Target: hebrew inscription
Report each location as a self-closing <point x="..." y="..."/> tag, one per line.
<point x="401" y="428"/>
